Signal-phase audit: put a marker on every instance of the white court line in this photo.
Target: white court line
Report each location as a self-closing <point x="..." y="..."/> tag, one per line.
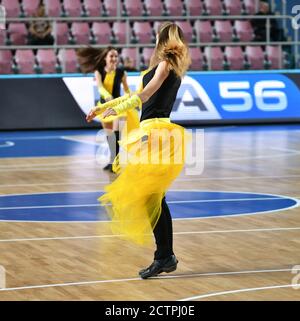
<point x="139" y="279"/>
<point x="7" y="144"/>
<point x="47" y="169"/>
<point x="205" y="161"/>
<point x="286" y="149"/>
<point x="202" y="296"/>
<point x="48" y="164"/>
<point x="297" y="203"/>
<point x="169" y="202"/>
<point x="250" y="157"/>
<point x="34" y="137"/>
<point x="87" y="237"/>
<point x="76" y="140"/>
<point x="199" y="178"/>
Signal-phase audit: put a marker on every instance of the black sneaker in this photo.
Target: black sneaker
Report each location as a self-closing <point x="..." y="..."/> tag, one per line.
<point x="158" y="266"/>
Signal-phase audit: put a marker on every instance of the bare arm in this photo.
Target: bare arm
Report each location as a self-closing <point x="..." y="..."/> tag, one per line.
<point x="159" y="77"/>
<point x="125" y="84"/>
<point x="98" y="79"/>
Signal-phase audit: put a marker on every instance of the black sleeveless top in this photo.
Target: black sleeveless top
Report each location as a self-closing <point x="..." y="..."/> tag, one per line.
<point x="117" y="81"/>
<point x="160" y="104"/>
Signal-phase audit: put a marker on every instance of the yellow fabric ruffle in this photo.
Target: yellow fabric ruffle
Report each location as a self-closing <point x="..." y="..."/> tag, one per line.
<point x="152" y="157"/>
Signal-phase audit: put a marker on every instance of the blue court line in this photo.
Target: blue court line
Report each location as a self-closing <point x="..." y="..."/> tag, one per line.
<point x="83" y="206"/>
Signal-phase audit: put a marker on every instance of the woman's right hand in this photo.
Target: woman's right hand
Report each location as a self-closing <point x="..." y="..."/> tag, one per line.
<point x="91" y="115"/>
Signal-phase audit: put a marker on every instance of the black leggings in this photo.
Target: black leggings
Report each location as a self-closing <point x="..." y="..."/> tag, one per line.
<point x="163" y="233"/>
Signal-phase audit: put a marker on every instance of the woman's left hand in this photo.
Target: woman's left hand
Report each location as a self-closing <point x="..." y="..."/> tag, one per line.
<point x="109" y="112"/>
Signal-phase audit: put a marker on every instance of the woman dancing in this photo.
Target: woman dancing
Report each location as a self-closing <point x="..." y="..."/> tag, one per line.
<point x="109" y="77"/>
<point x="136" y="199"/>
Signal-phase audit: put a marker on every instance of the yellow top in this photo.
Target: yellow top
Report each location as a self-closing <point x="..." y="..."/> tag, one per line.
<point x="108" y="82"/>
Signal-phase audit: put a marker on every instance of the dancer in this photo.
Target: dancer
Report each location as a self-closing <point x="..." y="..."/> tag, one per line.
<point x="136" y="199"/>
<point x="104" y="64"/>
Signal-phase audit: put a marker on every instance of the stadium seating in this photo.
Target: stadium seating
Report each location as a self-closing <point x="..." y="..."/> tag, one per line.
<point x="12" y="8"/>
<point x="62" y="33"/>
<point x="174" y="7"/>
<point x="251" y="6"/>
<point x="30" y="7"/>
<point x="197" y="59"/>
<point x="140" y="31"/>
<point x="275" y="57"/>
<point x="5" y="62"/>
<point x="120" y="31"/>
<point x="224" y="30"/>
<point x="187" y="30"/>
<point x="244" y="30"/>
<point x="25" y="61"/>
<point x="233" y="7"/>
<point x="234" y="57"/>
<point x="101" y="32"/>
<point x="147" y="53"/>
<point x="47" y="61"/>
<point x="214" y="57"/>
<point x="255" y="56"/>
<point x="154" y="7"/>
<point x="213" y="7"/>
<point x="73" y="8"/>
<point x="110" y="7"/>
<point x="133" y="8"/>
<point x="2" y="37"/>
<point x="194" y="7"/>
<point x="17" y="33"/>
<point x="53" y="8"/>
<point x="93" y="8"/>
<point x="81" y="33"/>
<point x="130" y="52"/>
<point x="68" y="60"/>
<point x="204" y="31"/>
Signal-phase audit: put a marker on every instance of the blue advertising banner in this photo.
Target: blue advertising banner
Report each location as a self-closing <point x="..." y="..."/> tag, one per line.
<point x="238" y="97"/>
<point x="63" y="100"/>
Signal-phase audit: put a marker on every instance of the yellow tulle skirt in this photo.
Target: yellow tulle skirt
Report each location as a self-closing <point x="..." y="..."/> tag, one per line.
<point x="151" y="158"/>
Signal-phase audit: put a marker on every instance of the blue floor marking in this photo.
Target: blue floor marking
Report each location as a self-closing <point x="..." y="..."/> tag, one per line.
<point x="45" y="143"/>
<point x="83" y="206"/>
<point x="44" y="148"/>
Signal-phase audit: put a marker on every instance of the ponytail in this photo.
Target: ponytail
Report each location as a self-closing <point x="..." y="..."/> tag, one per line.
<point x="172" y="48"/>
<point x="91" y="59"/>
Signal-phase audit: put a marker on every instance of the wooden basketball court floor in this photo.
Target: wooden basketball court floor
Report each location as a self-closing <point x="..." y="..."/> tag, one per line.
<point x="53" y="247"/>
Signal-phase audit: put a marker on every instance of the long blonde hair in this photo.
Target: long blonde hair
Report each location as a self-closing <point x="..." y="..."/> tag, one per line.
<point x="171" y="47"/>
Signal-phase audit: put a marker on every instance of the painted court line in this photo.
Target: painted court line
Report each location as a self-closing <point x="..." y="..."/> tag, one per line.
<point x="49" y="164"/>
<point x="81" y="141"/>
<point x="199" y="178"/>
<point x="86" y="237"/>
<point x="169" y="202"/>
<point x="7" y="144"/>
<point x="203" y="296"/>
<point x="139" y="279"/>
<point x="206" y="161"/>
